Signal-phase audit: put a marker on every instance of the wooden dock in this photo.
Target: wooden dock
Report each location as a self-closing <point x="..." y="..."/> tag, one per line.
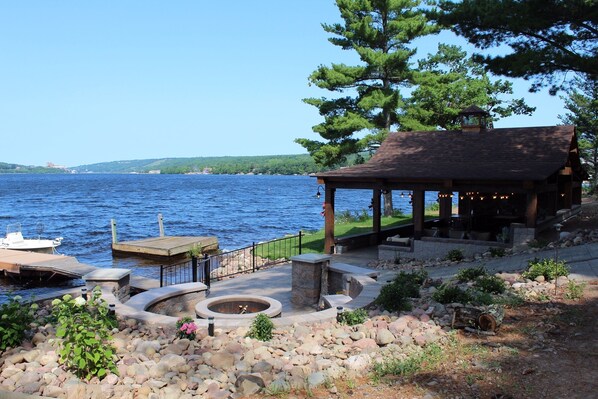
<point x="164" y="247"/>
<point x="32" y="264"/>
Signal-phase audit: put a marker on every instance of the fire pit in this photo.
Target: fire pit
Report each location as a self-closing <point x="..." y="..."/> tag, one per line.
<point x="238" y="307"/>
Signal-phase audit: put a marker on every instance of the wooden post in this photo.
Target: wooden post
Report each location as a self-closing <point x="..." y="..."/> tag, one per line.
<point x="113" y="226"/>
<point x="418" y="213"/>
<point x="531" y="212"/>
<point x="161" y="224"/>
<point x="329" y="220"/>
<point x="377" y="213"/>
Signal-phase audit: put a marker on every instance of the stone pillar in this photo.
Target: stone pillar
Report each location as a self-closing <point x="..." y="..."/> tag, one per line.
<point x="116" y="280"/>
<point x="307" y="278"/>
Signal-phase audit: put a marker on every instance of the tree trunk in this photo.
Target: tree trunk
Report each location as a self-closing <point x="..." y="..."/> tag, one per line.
<point x="388" y="204"/>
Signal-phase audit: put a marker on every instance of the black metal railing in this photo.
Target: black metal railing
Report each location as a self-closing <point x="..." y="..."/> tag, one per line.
<point x="228" y="264"/>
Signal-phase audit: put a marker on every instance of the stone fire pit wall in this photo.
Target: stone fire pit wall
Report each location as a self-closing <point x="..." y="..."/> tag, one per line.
<point x="307" y="278"/>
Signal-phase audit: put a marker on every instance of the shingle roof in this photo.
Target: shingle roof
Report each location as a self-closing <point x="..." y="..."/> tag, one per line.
<point x="531" y="153"/>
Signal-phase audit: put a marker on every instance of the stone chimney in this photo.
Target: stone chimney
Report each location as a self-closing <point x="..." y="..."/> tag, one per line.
<point x="474" y="119"/>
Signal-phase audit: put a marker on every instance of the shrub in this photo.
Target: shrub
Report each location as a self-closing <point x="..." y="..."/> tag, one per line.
<point x="490" y="284"/>
<point x="448" y="293"/>
<point x="455" y="255"/>
<point x="575" y="290"/>
<point x="353" y="317"/>
<point x="483" y="298"/>
<point x="15" y="318"/>
<point x="84" y="327"/>
<point x="395" y="295"/>
<point x="470" y="274"/>
<point x="537" y="244"/>
<point x="261" y="328"/>
<point x="497" y="252"/>
<point x="185" y="328"/>
<point x="549" y="268"/>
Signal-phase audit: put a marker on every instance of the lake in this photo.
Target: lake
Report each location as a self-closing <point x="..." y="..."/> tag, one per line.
<point x="237" y="209"/>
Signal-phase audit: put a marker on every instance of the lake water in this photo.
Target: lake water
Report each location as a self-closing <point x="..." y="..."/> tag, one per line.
<point x="237" y="209"/>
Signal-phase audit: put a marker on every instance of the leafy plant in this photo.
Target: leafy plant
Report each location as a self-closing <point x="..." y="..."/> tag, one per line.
<point x="449" y="293"/>
<point x="261" y="328"/>
<point x="483" y="298"/>
<point x="395" y="295"/>
<point x="353" y="317"/>
<point x="490" y="284"/>
<point x="470" y="274"/>
<point x="549" y="268"/>
<point x="185" y="328"/>
<point x="575" y="290"/>
<point x="84" y="327"/>
<point x="195" y="251"/>
<point x="455" y="255"/>
<point x="496" y="252"/>
<point x="15" y="318"/>
<point x="428" y="358"/>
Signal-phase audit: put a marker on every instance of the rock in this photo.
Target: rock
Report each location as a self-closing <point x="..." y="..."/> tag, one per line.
<point x="316" y="379"/>
<point x="16" y="358"/>
<point x="31" y="356"/>
<point x="38" y="338"/>
<point x="222" y="360"/>
<point x="384" y="337"/>
<point x="262" y="367"/>
<point x="540" y="279"/>
<point x="357" y="363"/>
<point x="365" y="343"/>
<point x="249" y="384"/>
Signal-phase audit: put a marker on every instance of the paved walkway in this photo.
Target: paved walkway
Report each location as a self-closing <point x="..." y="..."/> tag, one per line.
<point x="581" y="259"/>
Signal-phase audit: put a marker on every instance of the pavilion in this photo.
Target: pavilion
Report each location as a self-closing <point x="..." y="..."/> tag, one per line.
<point x="515" y="181"/>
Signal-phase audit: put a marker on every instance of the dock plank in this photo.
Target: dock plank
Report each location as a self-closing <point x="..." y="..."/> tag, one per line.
<point x="166" y="246"/>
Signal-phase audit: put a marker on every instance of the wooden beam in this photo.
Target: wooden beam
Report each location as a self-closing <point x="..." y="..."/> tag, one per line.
<point x="531" y="212"/>
<point x="418" y="213"/>
<point x="329" y="220"/>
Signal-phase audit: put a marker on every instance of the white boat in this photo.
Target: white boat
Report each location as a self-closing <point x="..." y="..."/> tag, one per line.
<point x="14" y="240"/>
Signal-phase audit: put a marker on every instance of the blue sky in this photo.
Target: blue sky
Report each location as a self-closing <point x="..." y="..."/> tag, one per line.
<point x="96" y="81"/>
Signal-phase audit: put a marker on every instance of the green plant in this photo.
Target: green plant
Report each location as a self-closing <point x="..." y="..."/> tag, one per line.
<point x="195" y="251"/>
<point x="427" y="358"/>
<point x="185" y="328"/>
<point x="575" y="290"/>
<point x="510" y="299"/>
<point x="470" y="274"/>
<point x="483" y="298"/>
<point x="448" y="293"/>
<point x="261" y="328"/>
<point x="455" y="255"/>
<point x="15" y="318"/>
<point x="497" y="252"/>
<point x="84" y="327"/>
<point x="433" y="207"/>
<point x="490" y="284"/>
<point x="548" y="267"/>
<point x="353" y="317"/>
<point x="395" y="295"/>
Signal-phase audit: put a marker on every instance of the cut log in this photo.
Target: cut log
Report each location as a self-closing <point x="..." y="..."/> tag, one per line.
<point x="485" y="318"/>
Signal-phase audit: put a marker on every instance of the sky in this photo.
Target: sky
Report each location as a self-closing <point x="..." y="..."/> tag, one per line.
<point x="98" y="81"/>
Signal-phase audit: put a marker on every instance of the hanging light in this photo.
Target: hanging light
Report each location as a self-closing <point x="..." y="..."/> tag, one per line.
<point x="318" y="193"/>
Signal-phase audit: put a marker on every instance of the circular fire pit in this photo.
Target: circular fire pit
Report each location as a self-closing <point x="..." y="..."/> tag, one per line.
<point x="238" y="307"/>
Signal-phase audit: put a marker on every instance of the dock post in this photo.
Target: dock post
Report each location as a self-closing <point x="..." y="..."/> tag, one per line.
<point x="194" y="269"/>
<point x="206" y="270"/>
<point x="113" y="225"/>
<point x="161" y="224"/>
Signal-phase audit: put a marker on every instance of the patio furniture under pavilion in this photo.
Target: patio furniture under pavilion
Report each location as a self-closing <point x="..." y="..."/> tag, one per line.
<point x="511" y="184"/>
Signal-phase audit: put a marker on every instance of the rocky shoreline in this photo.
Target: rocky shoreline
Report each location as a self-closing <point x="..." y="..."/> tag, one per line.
<point x="154" y="364"/>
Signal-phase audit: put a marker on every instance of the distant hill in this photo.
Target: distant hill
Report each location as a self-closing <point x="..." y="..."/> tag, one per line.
<point x="16" y="168"/>
<point x="274" y="164"/>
